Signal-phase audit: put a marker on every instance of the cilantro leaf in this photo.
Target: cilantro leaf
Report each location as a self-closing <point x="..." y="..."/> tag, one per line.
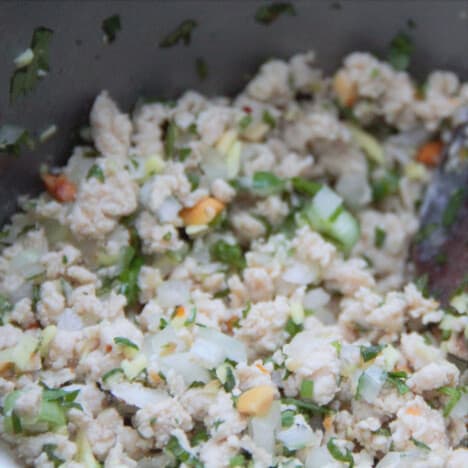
<point x="268" y="119"/>
<point x="122" y="341"/>
<point x="169" y="140"/>
<point x="111" y="26"/>
<point x="49" y="450"/>
<point x="129" y="278"/>
<point x="97" y="172"/>
<point x="305" y="186"/>
<point x="266" y="14"/>
<point x="183" y="33"/>
<point x="379" y="237"/>
<point x="399" y="54"/>
<point x="307" y="406"/>
<point x="370" y="352"/>
<point x="266" y="183"/>
<point x="230" y="254"/>
<point x="385" y="186"/>
<point x="337" y="454"/>
<point x="454" y="395"/>
<point x="25" y="79"/>
<point x="12" y="138"/>
<point x="397" y="380"/>
<point x="419" y="444"/>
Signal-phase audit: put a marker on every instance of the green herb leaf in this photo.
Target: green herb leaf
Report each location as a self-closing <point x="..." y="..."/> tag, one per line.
<point x="111" y="26"/>
<point x="419" y="444"/>
<point x="5" y="306"/>
<point x="287" y="418"/>
<point x="266" y="14"/>
<point x="230" y="254"/>
<point x="379" y="237"/>
<point x="181" y="455"/>
<point x="454" y="395"/>
<point x="307" y="406"/>
<point x="202" y="68"/>
<point x="305" y="186"/>
<point x="396" y="379"/>
<point x="385" y="186"/>
<point x="268" y="119"/>
<point x="183" y="33"/>
<point x="337" y="454"/>
<point x="122" y="341"/>
<point x="370" y="352"/>
<point x="293" y="328"/>
<point x="230" y="382"/>
<point x="401" y="48"/>
<point x="422" y="283"/>
<point x="129" y="276"/>
<point x="16" y="423"/>
<point x="237" y="461"/>
<point x="266" y="184"/>
<point x="184" y="153"/>
<point x="12" y="138"/>
<point x="307" y="389"/>
<point x="112" y="372"/>
<point x="454" y="204"/>
<point x="25" y="79"/>
<point x="49" y="450"/>
<point x="245" y="121"/>
<point x="169" y="141"/>
<point x="97" y="172"/>
<point x="199" y="437"/>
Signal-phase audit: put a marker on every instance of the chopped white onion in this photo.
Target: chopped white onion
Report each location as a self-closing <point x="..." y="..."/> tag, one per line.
<point x="137" y="395"/>
<point x="354" y="188"/>
<point x="300" y="273"/>
<point x="214" y="164"/>
<point x="173" y="292"/>
<point x="326" y="202"/>
<point x="316" y="299"/>
<point x="169" y="209"/>
<point x="27" y="263"/>
<point x="207" y="353"/>
<point x="262" y="428"/>
<point x="233" y="349"/>
<point x="319" y="457"/>
<point x="184" y="365"/>
<point x="297" y="436"/>
<point x="370" y="383"/>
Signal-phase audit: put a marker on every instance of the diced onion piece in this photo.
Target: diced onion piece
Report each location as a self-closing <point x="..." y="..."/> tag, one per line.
<point x="319" y="457"/>
<point x="233" y="160"/>
<point x="390" y="356"/>
<point x="133" y="367"/>
<point x="20" y="354"/>
<point x="300" y="273"/>
<point x="196" y="230"/>
<point x="256" y="131"/>
<point x="173" y="292"/>
<point x="208" y="353"/>
<point x="169" y="209"/>
<point x="354" y="188"/>
<point x="345" y="229"/>
<point x="226" y="141"/>
<point x="183" y="364"/>
<point x="297" y="313"/>
<point x="297" y="436"/>
<point x="84" y="453"/>
<point x="27" y="263"/>
<point x="233" y="349"/>
<point x="262" y="428"/>
<point x="326" y="203"/>
<point x="460" y="303"/>
<point x="136" y="394"/>
<point x="48" y="334"/>
<point x="368" y="144"/>
<point x="370" y="383"/>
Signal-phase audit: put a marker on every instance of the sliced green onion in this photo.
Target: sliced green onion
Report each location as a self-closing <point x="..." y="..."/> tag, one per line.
<point x="121" y="340"/>
<point x="307" y="389"/>
<point x="337" y="454"/>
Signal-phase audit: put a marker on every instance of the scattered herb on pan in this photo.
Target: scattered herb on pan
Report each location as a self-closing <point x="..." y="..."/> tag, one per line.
<point x="26" y="78"/>
<point x="401" y="48"/>
<point x="201" y="68"/>
<point x="183" y="33"/>
<point x="267" y="14"/>
<point x="268" y="119"/>
<point x="13" y="138"/>
<point x="111" y="26"/>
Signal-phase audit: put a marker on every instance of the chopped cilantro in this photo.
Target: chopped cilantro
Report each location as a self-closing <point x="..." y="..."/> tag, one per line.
<point x="63" y="398"/>
<point x="49" y="450"/>
<point x="422" y="283"/>
<point x="5" y="306"/>
<point x="419" y="444"/>
<point x="181" y="455"/>
<point x="183" y="33"/>
<point x="399" y="54"/>
<point x="307" y="406"/>
<point x="384" y="186"/>
<point x="230" y="382"/>
<point x="201" y="68"/>
<point x="230" y="254"/>
<point x="305" y="186"/>
<point x="169" y="140"/>
<point x="237" y="461"/>
<point x="131" y="266"/>
<point x="111" y="373"/>
<point x="12" y="138"/>
<point x="292" y="328"/>
<point x="96" y="172"/>
<point x="287" y="418"/>
<point x="454" y="395"/>
<point x="245" y="121"/>
<point x="307" y="389"/>
<point x="337" y="454"/>
<point x="337" y="345"/>
<point x="266" y="183"/>
<point x="16" y="425"/>
<point x="379" y="237"/>
<point x="184" y="153"/>
<point x="454" y="204"/>
<point x="268" y="119"/>
<point x="370" y="352"/>
<point x="122" y="341"/>
<point x="111" y="26"/>
<point x="266" y="14"/>
<point x="168" y="236"/>
<point x="397" y="380"/>
<point x="200" y="436"/>
<point x="25" y="79"/>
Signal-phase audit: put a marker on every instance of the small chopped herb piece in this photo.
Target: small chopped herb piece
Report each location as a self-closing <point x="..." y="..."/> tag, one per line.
<point x="230" y="382"/>
<point x="184" y="153"/>
<point x="287" y="418"/>
<point x="307" y="406"/>
<point x="266" y="14"/>
<point x="397" y="380"/>
<point x="120" y="340"/>
<point x="307" y="389"/>
<point x="293" y="328"/>
<point x="337" y="345"/>
<point x="454" y="204"/>
<point x="181" y="455"/>
<point x="168" y="236"/>
<point x="246" y="311"/>
<point x="425" y="232"/>
<point x="12" y="138"/>
<point x="401" y="48"/>
<point x="192" y="318"/>
<point x="49" y="450"/>
<point x="454" y="395"/>
<point x="230" y="254"/>
<point x="199" y="437"/>
<point x="266" y="184"/>
<point x="63" y="398"/>
<point x="183" y="33"/>
<point x="245" y="121"/>
<point x="129" y="276"/>
<point x="97" y="172"/>
<point x="422" y="284"/>
<point x="384" y="186"/>
<point x="419" y="444"/>
<point x="25" y="79"/>
<point x="16" y="425"/>
<point x="111" y="26"/>
<point x="237" y="461"/>
<point x="111" y="373"/>
<point x="337" y="454"/>
<point x="370" y="352"/>
<point x="379" y="237"/>
<point x="304" y="186"/>
<point x="169" y="141"/>
<point x="202" y="68"/>
<point x="193" y="178"/>
<point x="268" y="119"/>
<point x="5" y="306"/>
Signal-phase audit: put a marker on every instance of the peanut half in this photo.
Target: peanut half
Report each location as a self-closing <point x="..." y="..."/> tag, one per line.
<point x="203" y="212"/>
<point x="256" y="401"/>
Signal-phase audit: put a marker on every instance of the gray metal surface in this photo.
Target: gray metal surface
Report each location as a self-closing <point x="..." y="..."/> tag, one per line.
<point x="228" y="38"/>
